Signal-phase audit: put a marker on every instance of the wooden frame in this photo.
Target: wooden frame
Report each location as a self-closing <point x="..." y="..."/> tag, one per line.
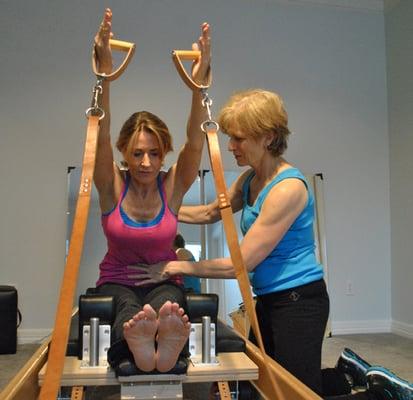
<point x="25" y="385"/>
<point x="273" y="381"/>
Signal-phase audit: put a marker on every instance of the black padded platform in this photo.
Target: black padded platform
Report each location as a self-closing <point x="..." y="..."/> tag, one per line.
<point x="198" y="305"/>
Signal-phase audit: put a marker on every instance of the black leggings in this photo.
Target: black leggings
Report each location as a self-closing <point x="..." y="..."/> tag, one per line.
<point x="128" y="302"/>
<point x="292" y="324"/>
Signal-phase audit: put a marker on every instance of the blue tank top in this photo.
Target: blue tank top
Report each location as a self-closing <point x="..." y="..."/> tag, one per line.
<point x="192" y="282"/>
<point x="292" y="262"/>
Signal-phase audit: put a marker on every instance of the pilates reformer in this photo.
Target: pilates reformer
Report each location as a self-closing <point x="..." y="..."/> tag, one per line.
<point x="214" y="356"/>
<point x="50" y="368"/>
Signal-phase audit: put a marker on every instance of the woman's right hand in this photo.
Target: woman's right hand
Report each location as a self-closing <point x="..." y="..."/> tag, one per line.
<point x="102" y="47"/>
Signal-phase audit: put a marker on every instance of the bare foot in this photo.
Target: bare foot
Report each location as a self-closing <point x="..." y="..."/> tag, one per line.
<point x="173" y="332"/>
<point x="139" y="333"/>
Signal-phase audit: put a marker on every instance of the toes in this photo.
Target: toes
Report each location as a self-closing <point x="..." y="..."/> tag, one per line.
<point x="174" y="308"/>
<point x="150" y="313"/>
<point x="166" y="309"/>
<point x="129" y="324"/>
<point x="139" y="316"/>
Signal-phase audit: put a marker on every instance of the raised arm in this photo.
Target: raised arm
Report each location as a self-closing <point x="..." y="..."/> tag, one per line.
<point x="184" y="172"/>
<point x="104" y="168"/>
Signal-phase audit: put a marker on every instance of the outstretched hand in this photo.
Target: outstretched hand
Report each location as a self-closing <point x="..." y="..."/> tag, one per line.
<point x="146" y="274"/>
<point x="102" y="47"/>
<point x="201" y="66"/>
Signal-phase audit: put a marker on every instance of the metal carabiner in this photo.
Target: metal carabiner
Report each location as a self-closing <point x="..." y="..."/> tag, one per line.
<point x="94" y="109"/>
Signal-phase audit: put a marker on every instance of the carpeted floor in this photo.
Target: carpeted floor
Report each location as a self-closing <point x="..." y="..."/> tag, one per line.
<point x="392" y="351"/>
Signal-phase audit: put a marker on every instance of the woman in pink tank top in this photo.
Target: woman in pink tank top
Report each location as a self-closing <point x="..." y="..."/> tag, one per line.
<point x="139" y="204"/>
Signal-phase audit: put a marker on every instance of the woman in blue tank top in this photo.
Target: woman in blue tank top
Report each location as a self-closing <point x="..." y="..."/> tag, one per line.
<point x="278" y="247"/>
<point x="278" y="243"/>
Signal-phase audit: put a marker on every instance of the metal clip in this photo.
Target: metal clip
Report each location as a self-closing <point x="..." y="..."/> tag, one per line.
<point x="207" y="102"/>
<point x="94" y="108"/>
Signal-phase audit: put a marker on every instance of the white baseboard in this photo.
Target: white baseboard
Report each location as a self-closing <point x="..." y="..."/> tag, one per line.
<point x="25" y="336"/>
<point x="354" y="327"/>
<point x="402" y="329"/>
<point x="337" y="328"/>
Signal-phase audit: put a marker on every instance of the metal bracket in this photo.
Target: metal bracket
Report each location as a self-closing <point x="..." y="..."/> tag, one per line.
<point x="149" y="390"/>
<point x="103" y="345"/>
<point x="195" y="345"/>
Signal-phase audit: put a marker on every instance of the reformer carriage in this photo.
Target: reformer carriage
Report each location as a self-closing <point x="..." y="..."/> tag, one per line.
<point x="74" y="356"/>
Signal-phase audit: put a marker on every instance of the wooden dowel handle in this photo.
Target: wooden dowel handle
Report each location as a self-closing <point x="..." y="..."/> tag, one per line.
<point x="188" y="55"/>
<point x="120" y="45"/>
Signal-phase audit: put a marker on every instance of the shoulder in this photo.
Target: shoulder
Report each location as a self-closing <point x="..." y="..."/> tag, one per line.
<point x="289" y="195"/>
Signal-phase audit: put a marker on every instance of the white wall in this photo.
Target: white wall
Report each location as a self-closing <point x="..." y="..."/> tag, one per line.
<point x="327" y="62"/>
<point x="399" y="47"/>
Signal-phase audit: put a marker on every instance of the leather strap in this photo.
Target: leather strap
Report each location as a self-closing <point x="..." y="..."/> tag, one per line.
<point x="233" y="245"/>
<point x="60" y="336"/>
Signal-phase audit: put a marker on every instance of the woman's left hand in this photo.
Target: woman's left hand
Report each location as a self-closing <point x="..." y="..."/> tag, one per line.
<point x="145" y="274"/>
<point x="102" y="46"/>
<point x="201" y="67"/>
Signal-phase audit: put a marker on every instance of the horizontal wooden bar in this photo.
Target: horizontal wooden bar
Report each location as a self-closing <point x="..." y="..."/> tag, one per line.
<point x="232" y="366"/>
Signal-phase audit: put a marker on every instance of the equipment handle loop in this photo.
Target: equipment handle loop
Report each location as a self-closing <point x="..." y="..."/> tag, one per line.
<point x="189" y="55"/>
<point x="120" y="46"/>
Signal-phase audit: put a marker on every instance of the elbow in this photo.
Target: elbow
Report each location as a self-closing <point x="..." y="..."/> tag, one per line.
<point x="211" y="214"/>
<point x="249" y="264"/>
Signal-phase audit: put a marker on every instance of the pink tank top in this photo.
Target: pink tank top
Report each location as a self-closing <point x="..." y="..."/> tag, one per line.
<point x="131" y="242"/>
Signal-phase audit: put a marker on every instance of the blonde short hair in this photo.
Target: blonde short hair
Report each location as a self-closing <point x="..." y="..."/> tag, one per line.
<point x="254" y="113"/>
<point x="148" y="122"/>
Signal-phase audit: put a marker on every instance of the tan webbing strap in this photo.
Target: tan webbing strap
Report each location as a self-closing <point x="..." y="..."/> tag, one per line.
<point x="60" y="336"/>
<point x="233" y="245"/>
